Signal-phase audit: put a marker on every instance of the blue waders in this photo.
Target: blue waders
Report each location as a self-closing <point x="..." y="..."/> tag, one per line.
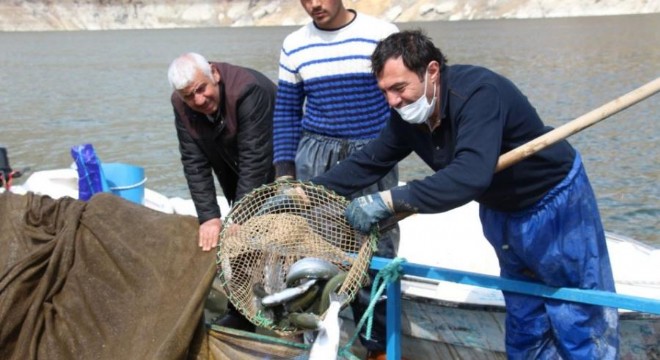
<point x="560" y="242"/>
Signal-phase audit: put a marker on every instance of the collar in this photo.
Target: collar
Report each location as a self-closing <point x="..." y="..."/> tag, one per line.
<point x="444" y="91"/>
<point x="217" y="117"/>
<point x="355" y="15"/>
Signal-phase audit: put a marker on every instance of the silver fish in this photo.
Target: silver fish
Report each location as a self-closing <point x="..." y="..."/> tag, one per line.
<point x="302" y="302"/>
<point x="310" y="268"/>
<point x="287" y="294"/>
<point x="326" y="345"/>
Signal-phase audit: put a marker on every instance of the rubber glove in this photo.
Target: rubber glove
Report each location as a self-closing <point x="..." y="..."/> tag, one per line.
<point x="366" y="211"/>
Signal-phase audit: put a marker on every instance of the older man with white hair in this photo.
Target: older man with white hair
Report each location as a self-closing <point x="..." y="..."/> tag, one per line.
<point x="223" y="116"/>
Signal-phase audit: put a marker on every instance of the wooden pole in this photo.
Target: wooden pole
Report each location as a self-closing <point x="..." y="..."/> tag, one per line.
<point x="578" y="124"/>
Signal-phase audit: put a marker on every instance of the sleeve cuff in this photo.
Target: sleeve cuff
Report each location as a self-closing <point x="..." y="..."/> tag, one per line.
<point x="285" y="168"/>
<point x="387" y="199"/>
<point x="399" y="198"/>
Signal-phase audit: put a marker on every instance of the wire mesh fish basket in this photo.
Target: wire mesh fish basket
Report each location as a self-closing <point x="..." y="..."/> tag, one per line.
<point x="284" y="248"/>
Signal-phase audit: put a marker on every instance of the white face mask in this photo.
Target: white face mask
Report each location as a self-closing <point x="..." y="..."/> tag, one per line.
<point x="419" y="111"/>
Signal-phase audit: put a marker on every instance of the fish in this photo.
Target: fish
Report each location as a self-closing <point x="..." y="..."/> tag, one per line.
<point x="305" y="321"/>
<point x="333" y="285"/>
<point x="304" y="301"/>
<point x="259" y="290"/>
<point x="287" y="294"/>
<point x="310" y="268"/>
<point x="326" y="344"/>
<point x="286" y="199"/>
<point x="262" y="316"/>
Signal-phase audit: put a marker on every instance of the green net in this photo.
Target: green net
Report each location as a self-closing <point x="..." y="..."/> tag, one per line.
<point x="284" y="248"/>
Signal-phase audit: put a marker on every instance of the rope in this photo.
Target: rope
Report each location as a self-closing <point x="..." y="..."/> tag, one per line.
<point x="260" y="337"/>
<point x="638" y="282"/>
<point x="387" y="275"/>
<point x="132" y="186"/>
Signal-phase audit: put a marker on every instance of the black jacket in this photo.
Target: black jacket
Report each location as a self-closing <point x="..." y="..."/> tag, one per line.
<point x="238" y="146"/>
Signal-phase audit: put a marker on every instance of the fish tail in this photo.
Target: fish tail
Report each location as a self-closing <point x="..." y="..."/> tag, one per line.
<point x="341" y="298"/>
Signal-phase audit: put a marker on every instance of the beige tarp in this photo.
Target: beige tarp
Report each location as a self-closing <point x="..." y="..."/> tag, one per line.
<point x="106" y="279"/>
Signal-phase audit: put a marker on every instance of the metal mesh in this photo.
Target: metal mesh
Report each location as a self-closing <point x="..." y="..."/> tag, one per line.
<point x="270" y="229"/>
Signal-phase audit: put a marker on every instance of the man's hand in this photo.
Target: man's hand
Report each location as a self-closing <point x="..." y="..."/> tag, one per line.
<point x="208" y="233"/>
<point x="364" y="212"/>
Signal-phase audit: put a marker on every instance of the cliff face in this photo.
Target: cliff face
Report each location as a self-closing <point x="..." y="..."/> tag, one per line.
<point x="45" y="15"/>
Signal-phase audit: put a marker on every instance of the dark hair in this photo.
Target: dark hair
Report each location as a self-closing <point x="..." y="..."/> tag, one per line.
<point x="416" y="49"/>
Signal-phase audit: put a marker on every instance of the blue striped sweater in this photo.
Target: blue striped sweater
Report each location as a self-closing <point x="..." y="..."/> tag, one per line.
<point x="329" y="73"/>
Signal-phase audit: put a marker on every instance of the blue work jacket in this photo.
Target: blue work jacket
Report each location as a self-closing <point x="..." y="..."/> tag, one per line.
<point x="483" y="115"/>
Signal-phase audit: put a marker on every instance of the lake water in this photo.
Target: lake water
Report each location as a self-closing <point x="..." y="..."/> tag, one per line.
<point x="109" y="88"/>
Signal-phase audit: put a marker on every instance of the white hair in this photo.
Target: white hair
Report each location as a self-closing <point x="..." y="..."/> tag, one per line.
<point x="183" y="69"/>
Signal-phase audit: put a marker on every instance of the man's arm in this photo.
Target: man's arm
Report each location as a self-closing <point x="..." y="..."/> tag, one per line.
<point x="255" y="139"/>
<point x="199" y="176"/>
<point x="478" y="145"/>
<point x="198" y="173"/>
<point x="479" y="132"/>
<point x="368" y="165"/>
<point x="287" y="117"/>
<point x="479" y="137"/>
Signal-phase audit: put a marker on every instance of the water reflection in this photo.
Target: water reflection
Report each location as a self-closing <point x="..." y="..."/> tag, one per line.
<point x="109" y="88"/>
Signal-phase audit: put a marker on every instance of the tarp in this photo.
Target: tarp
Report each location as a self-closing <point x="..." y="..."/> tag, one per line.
<point x="104" y="279"/>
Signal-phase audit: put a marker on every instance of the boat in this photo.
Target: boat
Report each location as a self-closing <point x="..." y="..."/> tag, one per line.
<point x="63" y="182"/>
<point x="448" y="319"/>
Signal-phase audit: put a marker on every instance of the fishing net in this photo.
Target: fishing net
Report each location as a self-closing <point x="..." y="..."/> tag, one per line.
<point x="272" y="228"/>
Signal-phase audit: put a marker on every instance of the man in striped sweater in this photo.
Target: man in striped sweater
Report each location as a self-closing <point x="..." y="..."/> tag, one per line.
<point x="328" y="105"/>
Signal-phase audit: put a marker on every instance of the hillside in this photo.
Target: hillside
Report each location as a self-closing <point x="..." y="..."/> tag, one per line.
<point x="46" y="15"/>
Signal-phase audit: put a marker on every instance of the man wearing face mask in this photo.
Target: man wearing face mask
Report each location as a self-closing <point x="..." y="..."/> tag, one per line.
<point x="540" y="214"/>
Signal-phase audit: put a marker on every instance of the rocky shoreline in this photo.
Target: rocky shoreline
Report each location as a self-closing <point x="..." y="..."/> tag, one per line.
<point x="49" y="15"/>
